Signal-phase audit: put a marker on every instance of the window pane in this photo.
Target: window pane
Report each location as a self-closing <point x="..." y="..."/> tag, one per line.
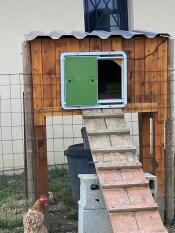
<point x="106" y="15"/>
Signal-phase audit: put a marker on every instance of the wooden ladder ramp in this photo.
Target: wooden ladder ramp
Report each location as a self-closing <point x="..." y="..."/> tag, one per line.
<point x="126" y="192"/>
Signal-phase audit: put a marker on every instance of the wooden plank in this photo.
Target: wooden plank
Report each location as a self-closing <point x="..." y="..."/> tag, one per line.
<point x="116" y="44"/>
<point x="102" y="115"/>
<point x="128" y="47"/>
<point x="49" y="71"/>
<point x="60" y="47"/>
<point x="111" y="166"/>
<point x="119" y="131"/>
<point x="95" y="44"/>
<point x="121" y="159"/>
<point x="114" y="124"/>
<point x="37" y="78"/>
<point x="158" y="151"/>
<point x="28" y="123"/>
<point x="96" y="144"/>
<point x="124" y="140"/>
<point x="151" y="76"/>
<point x="41" y="160"/>
<point x="106" y="45"/>
<point x="150" y="222"/>
<point x="129" y="199"/>
<point x="141" y="107"/>
<point x="84" y="45"/>
<point x="139" y="69"/>
<point x="124" y="177"/>
<point x="113" y="149"/>
<point x="124" y="222"/>
<point x="144" y="142"/>
<point x="162" y="67"/>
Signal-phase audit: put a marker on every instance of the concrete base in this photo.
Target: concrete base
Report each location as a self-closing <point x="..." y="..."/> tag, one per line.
<point x="93" y="221"/>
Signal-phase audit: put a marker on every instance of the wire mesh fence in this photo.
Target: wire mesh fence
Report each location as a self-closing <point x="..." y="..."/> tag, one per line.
<point x="61" y="132"/>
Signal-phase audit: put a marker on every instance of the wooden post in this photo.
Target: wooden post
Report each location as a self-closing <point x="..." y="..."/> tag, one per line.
<point x="29" y="123"/>
<point x="144" y="141"/>
<point x="41" y="160"/>
<point x="169" y="142"/>
<point x="159" y="171"/>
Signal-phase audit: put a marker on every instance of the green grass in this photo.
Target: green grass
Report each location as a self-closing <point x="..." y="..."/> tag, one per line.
<point x="59" y="184"/>
<point x="12" y="202"/>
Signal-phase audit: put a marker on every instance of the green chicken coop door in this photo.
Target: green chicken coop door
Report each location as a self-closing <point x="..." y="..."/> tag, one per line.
<point x="93" y="80"/>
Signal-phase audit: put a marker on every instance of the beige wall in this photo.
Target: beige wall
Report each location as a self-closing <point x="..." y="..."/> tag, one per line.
<point x="18" y="17"/>
<point x="153" y="15"/>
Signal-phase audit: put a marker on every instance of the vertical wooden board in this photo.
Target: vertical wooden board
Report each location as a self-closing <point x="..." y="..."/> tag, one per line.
<point x="139" y="69"/>
<point x="144" y="142"/>
<point x="116" y="44"/>
<point x="162" y="67"/>
<point x="49" y="71"/>
<point x="60" y="47"/>
<point x="128" y="47"/>
<point x="95" y="44"/>
<point x="36" y="56"/>
<point x="84" y="45"/>
<point x="106" y="45"/>
<point x="151" y="76"/>
<point x="41" y="160"/>
<point x="158" y="152"/>
<point x="73" y="45"/>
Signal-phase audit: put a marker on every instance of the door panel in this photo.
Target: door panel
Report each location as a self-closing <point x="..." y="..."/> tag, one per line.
<point x="81" y="80"/>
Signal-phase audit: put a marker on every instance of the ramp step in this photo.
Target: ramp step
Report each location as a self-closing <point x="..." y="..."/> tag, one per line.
<point x="109" y="132"/>
<point x="133" y="209"/>
<point x="112" y="166"/>
<point x="114" y="149"/>
<point x="124" y="177"/>
<point x="125" y="185"/>
<point x="137" y="222"/>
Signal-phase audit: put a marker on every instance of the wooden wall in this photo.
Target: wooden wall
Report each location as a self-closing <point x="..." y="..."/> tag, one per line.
<point x="147" y="92"/>
<point x="147" y="72"/>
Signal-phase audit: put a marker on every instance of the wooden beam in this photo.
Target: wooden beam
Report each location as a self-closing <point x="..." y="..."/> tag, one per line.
<point x="41" y="160"/>
<point x="29" y="123"/>
<point x="159" y="160"/>
<point x="141" y="107"/>
<point x="169" y="142"/>
<point x="144" y="141"/>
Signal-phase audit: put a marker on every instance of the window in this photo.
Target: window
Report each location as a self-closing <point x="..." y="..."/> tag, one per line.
<point x="106" y="15"/>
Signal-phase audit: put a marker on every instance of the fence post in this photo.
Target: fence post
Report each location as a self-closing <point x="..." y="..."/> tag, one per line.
<point x="29" y="124"/>
<point x="169" y="142"/>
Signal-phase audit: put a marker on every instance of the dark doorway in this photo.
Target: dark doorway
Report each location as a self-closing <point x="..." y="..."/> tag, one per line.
<point x="109" y="79"/>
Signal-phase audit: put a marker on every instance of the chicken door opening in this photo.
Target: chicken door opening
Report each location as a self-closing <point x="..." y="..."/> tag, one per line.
<point x="109" y="79"/>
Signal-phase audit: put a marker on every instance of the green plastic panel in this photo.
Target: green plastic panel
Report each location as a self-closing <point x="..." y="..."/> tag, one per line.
<point x="81" y="80"/>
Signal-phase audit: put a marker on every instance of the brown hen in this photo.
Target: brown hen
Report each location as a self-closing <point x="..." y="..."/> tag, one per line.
<point x="33" y="220"/>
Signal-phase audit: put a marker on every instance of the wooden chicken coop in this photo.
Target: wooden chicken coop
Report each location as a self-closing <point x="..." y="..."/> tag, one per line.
<point x="148" y="95"/>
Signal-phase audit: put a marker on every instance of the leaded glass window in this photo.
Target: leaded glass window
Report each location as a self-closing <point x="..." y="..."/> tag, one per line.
<point x="107" y="15"/>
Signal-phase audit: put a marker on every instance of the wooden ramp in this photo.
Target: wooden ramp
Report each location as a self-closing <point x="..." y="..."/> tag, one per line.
<point x="125" y="190"/>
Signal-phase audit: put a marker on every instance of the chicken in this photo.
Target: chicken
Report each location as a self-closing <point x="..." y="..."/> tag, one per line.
<point x="33" y="220"/>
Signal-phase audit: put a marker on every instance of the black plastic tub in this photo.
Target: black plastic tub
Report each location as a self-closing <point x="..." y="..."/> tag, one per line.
<point x="79" y="162"/>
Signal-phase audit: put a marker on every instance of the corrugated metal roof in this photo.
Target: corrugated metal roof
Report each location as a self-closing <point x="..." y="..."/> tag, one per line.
<point x="101" y="34"/>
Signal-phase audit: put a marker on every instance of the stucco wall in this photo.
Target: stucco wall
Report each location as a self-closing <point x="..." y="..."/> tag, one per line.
<point x="18" y="17"/>
<point x="153" y="15"/>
